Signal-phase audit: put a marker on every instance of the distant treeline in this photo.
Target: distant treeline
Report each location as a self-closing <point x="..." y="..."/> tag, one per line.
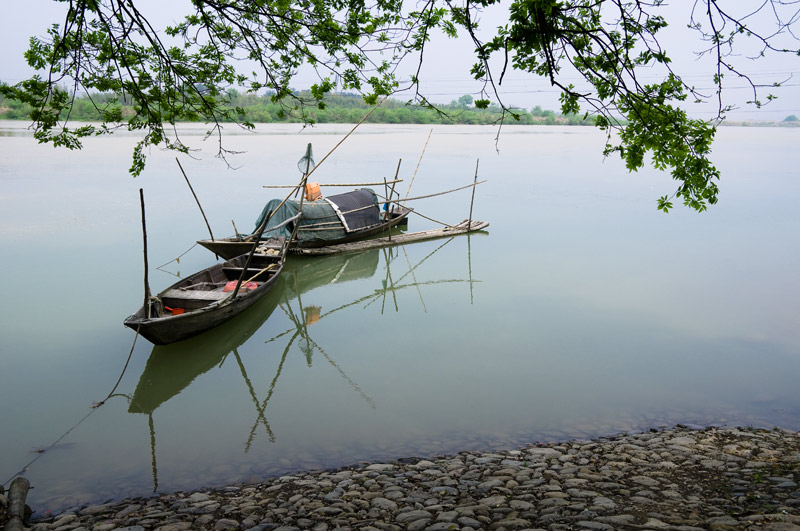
<point x="338" y="108"/>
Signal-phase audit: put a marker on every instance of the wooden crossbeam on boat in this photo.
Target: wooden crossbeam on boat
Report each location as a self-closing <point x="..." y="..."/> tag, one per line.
<point x="394" y="181"/>
<point x="399" y="239"/>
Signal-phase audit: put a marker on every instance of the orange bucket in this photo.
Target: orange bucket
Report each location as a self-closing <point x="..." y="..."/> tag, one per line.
<point x="313" y="192"/>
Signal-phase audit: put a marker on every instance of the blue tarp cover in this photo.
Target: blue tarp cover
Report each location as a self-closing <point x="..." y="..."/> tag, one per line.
<point x="326" y="219"/>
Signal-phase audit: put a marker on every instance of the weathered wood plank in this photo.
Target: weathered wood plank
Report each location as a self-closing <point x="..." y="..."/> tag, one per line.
<point x="194" y="294"/>
<point x="400" y="239"/>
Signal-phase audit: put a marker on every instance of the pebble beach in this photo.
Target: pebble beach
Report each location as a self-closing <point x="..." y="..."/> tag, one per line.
<point x="678" y="478"/>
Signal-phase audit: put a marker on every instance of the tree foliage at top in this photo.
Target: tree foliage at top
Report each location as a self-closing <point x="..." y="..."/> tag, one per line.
<point x="611" y="44"/>
<point x="186" y="71"/>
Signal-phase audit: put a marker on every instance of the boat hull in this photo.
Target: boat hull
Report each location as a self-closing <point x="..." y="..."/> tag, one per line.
<point x="165" y="327"/>
<point x="230" y="247"/>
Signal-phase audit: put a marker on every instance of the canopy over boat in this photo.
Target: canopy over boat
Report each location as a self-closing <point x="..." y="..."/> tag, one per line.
<point x="331" y="218"/>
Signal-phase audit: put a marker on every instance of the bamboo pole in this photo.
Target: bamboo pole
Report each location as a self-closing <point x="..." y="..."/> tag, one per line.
<point x="333" y="184"/>
<point x="431" y="219"/>
<point x="303" y="184"/>
<point x="469" y="264"/>
<point x="144" y="245"/>
<point x="418" y="163"/>
<point x="153" y="462"/>
<point x="277" y="208"/>
<point x="345" y="137"/>
<point x="396" y="173"/>
<point x="297" y="186"/>
<point x="386" y="191"/>
<point x="416" y="282"/>
<point x="473" y="191"/>
<point x="195" y="198"/>
<point x="303" y="181"/>
<point x="259" y="273"/>
<point x="434" y="195"/>
<point x="253" y="251"/>
<point x="305" y="177"/>
<point x="249" y="258"/>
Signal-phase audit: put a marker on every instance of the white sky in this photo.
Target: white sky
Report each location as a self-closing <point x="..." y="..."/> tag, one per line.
<point x="447" y="62"/>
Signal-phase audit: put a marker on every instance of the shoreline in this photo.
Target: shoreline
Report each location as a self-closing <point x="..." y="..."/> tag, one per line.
<point x="677" y="478"/>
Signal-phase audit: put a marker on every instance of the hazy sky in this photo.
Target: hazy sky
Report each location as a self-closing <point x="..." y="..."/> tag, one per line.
<point x="447" y="62"/>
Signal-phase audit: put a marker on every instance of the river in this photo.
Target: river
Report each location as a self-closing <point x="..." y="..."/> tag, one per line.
<point x="581" y="311"/>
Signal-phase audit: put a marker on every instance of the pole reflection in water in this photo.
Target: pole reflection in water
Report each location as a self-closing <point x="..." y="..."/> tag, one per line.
<point x="170" y="369"/>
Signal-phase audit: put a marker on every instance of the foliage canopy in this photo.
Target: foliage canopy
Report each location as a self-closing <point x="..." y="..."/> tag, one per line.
<point x="186" y="71"/>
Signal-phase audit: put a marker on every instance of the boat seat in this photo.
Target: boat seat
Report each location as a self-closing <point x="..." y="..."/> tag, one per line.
<point x="194" y="294"/>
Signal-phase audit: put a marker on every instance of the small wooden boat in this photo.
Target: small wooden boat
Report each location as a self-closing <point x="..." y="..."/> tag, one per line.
<point x="336" y="219"/>
<point x="210" y="297"/>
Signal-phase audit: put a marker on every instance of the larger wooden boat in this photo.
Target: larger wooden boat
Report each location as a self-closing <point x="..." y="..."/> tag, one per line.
<point x="332" y="220"/>
<point x="210" y="297"/>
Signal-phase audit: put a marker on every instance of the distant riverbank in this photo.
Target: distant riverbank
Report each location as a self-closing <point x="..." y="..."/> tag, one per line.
<point x="337" y="108"/>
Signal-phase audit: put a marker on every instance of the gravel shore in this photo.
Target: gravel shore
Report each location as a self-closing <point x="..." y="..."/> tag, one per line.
<point x="681" y="478"/>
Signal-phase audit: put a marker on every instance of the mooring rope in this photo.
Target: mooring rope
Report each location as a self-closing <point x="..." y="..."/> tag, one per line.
<point x="178" y="258"/>
<point x="45" y="450"/>
<point x="93" y="408"/>
<point x="125" y="368"/>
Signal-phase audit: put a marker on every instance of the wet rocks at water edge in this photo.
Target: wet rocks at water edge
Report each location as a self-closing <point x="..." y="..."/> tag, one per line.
<point x="679" y="479"/>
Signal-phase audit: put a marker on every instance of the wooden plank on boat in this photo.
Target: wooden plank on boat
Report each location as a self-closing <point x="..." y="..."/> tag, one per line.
<point x="194" y="294"/>
<point x="399" y="239"/>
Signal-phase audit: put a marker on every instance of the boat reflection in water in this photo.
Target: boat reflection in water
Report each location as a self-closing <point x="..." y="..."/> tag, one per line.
<point x="172" y="368"/>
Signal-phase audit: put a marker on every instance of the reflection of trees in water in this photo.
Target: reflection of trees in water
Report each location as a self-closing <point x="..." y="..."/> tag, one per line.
<point x="171" y="368"/>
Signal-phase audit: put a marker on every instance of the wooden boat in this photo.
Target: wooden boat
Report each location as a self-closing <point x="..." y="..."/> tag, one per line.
<point x="336" y="219"/>
<point x="171" y="368"/>
<point x="209" y="298"/>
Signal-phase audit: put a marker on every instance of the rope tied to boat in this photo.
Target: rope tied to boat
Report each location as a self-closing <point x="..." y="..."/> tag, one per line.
<point x="92" y="409"/>
<point x="177" y="259"/>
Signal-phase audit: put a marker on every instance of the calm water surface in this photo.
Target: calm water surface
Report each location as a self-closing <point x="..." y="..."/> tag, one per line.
<point x="581" y="311"/>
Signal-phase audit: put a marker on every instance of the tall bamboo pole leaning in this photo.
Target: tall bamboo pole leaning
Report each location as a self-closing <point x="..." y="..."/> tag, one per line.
<point x="418" y="163"/>
<point x="249" y="259"/>
<point x="317" y="165"/>
<point x="195" y="198"/>
<point x="343" y="139"/>
<point x="144" y="246"/>
<point x="300" y="187"/>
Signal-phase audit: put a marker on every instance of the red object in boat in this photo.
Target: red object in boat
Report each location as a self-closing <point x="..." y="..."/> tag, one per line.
<point x="230" y="286"/>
